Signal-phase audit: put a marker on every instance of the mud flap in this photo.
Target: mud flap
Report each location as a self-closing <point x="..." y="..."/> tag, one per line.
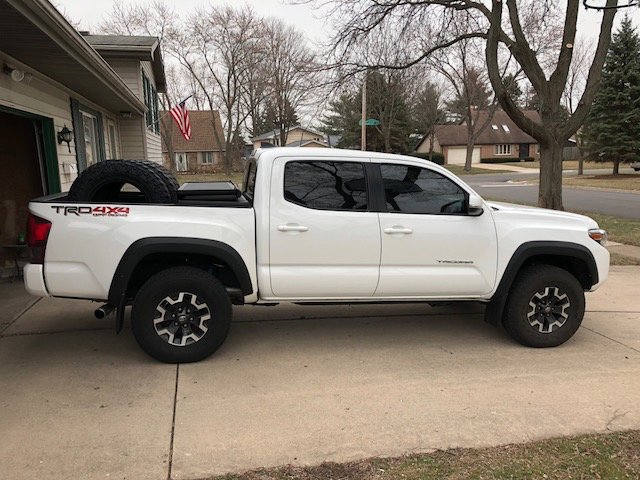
<point x="120" y="317"/>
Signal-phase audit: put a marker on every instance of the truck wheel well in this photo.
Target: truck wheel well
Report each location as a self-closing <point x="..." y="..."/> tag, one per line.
<point x="575" y="266"/>
<point x="156" y="262"/>
<point x="148" y="256"/>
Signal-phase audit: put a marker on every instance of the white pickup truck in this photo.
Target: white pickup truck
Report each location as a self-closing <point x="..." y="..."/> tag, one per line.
<point x="312" y="226"/>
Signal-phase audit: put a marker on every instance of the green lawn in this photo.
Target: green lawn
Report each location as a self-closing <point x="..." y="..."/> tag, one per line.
<point x="606" y="456"/>
<point x="566" y="165"/>
<point x="459" y="170"/>
<point x="621" y="230"/>
<point x="623" y="181"/>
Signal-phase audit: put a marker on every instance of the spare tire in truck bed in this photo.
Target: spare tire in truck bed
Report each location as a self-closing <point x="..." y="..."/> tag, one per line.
<point x="103" y="182"/>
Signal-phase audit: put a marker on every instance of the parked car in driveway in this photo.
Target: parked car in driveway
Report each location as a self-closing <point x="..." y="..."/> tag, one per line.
<point x="309" y="226"/>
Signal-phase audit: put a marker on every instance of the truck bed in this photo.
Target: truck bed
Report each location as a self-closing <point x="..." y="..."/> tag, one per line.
<point x="200" y="194"/>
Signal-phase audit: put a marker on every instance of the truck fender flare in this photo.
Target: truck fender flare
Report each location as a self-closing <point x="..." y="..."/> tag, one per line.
<point x="495" y="308"/>
<point x="147" y="246"/>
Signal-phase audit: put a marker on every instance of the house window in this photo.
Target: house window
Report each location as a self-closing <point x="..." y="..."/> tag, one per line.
<point x="151" y="102"/>
<point x="90" y="127"/>
<point x="181" y="161"/>
<point x="206" y="158"/>
<point x="113" y="142"/>
<point x="506" y="128"/>
<point x="495" y="127"/>
<point x="89" y="136"/>
<point x="503" y="149"/>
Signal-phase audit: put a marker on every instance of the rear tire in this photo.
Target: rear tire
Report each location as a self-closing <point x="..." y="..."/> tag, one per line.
<point x="181" y="315"/>
<point x="545" y="307"/>
<point x="103" y="182"/>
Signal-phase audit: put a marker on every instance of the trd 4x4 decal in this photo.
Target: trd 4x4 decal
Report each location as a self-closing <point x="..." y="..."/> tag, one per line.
<point x="101" y="211"/>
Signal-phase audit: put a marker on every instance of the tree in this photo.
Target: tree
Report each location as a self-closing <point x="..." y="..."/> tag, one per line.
<point x="218" y="50"/>
<point x="387" y="102"/>
<point x="472" y="101"/>
<point x="292" y="73"/>
<point x="273" y="117"/>
<point x="522" y="32"/>
<point x="427" y="112"/>
<point x="342" y="119"/>
<point x="612" y="130"/>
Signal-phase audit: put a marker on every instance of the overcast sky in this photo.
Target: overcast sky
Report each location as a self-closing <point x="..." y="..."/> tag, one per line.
<point x="311" y="22"/>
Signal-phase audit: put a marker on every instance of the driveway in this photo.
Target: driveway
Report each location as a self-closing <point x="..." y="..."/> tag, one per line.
<point x="304" y="385"/>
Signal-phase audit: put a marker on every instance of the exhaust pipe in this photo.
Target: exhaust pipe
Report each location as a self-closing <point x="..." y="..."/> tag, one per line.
<point x="103" y="311"/>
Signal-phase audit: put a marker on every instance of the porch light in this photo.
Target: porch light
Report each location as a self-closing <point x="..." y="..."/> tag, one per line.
<point x="15" y="74"/>
<point x="65" y="135"/>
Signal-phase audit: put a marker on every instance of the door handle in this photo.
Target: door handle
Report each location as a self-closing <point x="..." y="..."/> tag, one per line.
<point x="292" y="227"/>
<point x="397" y="229"/>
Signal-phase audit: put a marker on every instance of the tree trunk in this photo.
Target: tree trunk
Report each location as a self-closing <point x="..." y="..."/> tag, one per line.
<point x="469" y="157"/>
<point x="550" y="192"/>
<point x="580" y="165"/>
<point x="431" y="139"/>
<point x="616" y="166"/>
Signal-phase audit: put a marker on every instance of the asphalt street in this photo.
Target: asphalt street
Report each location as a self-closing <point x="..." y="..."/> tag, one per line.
<point x="514" y="187"/>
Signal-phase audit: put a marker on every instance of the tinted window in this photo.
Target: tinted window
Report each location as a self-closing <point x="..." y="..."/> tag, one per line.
<point x="250" y="180"/>
<point x="410" y="189"/>
<point x="326" y="185"/>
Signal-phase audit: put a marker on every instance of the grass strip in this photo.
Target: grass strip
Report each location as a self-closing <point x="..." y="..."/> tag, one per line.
<point x="611" y="456"/>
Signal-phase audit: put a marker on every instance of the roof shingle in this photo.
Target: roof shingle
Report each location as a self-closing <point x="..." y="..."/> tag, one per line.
<point x="494" y="133"/>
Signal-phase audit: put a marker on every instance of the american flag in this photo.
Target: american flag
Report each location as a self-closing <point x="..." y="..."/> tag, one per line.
<point x="181" y="116"/>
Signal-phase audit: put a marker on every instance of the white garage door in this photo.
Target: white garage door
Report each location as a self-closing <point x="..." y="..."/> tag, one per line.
<point x="458" y="155"/>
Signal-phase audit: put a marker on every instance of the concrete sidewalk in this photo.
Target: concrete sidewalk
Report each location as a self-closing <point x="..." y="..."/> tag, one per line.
<point x="304" y="385"/>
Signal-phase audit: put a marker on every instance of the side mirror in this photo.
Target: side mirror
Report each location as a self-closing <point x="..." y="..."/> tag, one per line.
<point x="475" y="205"/>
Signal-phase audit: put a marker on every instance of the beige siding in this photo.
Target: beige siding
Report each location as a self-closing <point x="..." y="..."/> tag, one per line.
<point x="154" y="147"/>
<point x="424" y="146"/>
<point x="129" y="71"/>
<point x="132" y="138"/>
<point x="299" y="134"/>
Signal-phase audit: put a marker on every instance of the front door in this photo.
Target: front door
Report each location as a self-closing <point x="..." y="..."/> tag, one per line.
<point x="430" y="246"/>
<point x="524" y="150"/>
<point x="324" y="242"/>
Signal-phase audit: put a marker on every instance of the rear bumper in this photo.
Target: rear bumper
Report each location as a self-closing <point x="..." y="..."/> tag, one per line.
<point x="34" y="280"/>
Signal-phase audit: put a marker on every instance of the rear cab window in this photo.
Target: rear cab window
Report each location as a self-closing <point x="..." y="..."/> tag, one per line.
<point x="249" y="182"/>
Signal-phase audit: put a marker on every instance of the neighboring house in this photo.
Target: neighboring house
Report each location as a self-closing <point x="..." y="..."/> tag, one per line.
<point x="500" y="139"/>
<point x="297" y="136"/>
<point x="98" y="92"/>
<point x="202" y="153"/>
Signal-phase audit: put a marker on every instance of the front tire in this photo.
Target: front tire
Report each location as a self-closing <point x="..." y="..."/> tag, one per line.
<point x="545" y="307"/>
<point x="181" y="315"/>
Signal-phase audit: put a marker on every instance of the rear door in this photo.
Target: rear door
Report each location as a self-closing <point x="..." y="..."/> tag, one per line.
<point x="430" y="246"/>
<point x="324" y="241"/>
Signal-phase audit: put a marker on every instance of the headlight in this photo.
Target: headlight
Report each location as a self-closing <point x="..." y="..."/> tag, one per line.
<point x="599" y="235"/>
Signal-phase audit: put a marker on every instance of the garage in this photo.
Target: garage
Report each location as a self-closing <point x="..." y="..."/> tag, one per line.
<point x="458" y="155"/>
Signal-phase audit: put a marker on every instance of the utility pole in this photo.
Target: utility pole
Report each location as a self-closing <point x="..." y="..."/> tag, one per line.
<point x="364" y="113"/>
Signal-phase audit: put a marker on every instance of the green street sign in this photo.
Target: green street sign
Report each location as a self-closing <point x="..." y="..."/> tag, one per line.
<point x="371" y="122"/>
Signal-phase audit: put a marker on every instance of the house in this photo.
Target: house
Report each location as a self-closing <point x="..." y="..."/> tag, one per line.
<point x="501" y="139"/>
<point x="297" y="136"/>
<point x="67" y="100"/>
<point x="203" y="152"/>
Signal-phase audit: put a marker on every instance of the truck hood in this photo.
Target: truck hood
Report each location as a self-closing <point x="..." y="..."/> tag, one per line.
<point x="525" y="212"/>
